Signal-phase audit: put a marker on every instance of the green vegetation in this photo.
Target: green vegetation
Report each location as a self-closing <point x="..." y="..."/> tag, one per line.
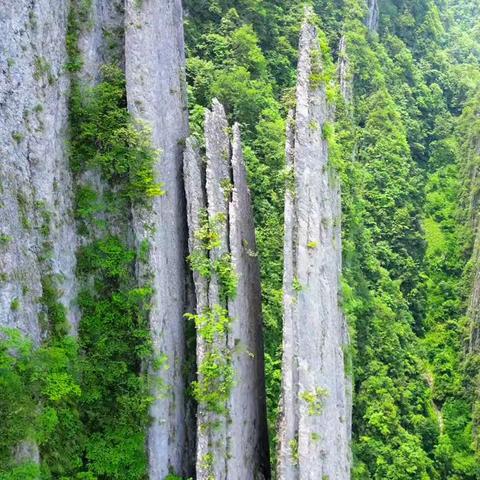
<point x="215" y="372"/>
<point x="398" y="154"/>
<point x="18" y="136"/>
<point x="314" y="400"/>
<point x="406" y="150"/>
<point x="84" y="401"/>
<point x="106" y="138"/>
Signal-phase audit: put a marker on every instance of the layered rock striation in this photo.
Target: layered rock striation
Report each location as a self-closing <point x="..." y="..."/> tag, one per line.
<point x="37" y="232"/>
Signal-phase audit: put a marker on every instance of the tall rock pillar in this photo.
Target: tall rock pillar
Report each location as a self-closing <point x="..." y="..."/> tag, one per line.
<point x="315" y="421"/>
<point x="156" y="93"/>
<point x="232" y="439"/>
<point x="373" y="15"/>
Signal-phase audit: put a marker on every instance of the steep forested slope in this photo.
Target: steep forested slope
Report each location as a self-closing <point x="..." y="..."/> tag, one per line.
<point x="401" y="155"/>
<point x="122" y="356"/>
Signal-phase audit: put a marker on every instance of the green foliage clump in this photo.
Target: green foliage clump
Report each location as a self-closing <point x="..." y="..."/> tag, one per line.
<point x="209" y="235"/>
<point x="115" y="341"/>
<point x="314" y="400"/>
<point x="105" y="137"/>
<point x="215" y="382"/>
<point x="215" y="372"/>
<point x="39" y="391"/>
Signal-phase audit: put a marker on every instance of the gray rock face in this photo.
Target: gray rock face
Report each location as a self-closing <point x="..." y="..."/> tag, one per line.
<point x="232" y="440"/>
<point x="248" y="430"/>
<point x="474" y="305"/>
<point x="37" y="234"/>
<point x="314" y="431"/>
<point x="154" y="65"/>
<point x="373" y="15"/>
<point x="101" y="38"/>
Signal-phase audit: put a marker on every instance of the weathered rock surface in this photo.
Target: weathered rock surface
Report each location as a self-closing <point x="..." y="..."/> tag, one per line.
<point x="101" y="38"/>
<point x="37" y="234"/>
<point x="231" y="443"/>
<point x="156" y="93"/>
<point x="248" y="429"/>
<point x="474" y="305"/>
<point x="315" y="423"/>
<point x="373" y="15"/>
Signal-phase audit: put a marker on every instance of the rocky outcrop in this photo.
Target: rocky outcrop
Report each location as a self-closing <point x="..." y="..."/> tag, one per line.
<point x="248" y="430"/>
<point x="373" y="15"/>
<point x="156" y="94"/>
<point x="231" y="435"/>
<point x="471" y="174"/>
<point x="314" y="431"/>
<point x="474" y="305"/>
<point x="37" y="234"/>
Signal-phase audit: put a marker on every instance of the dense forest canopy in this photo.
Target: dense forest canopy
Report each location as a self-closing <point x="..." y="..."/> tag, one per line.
<point x="401" y="79"/>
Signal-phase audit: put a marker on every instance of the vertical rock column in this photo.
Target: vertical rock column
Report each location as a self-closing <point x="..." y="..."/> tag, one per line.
<point x="473" y="311"/>
<point x="37" y="234"/>
<point x="474" y="304"/>
<point x="248" y="430"/>
<point x="373" y="15"/>
<point x="232" y="439"/>
<point x="156" y="93"/>
<point x="315" y="423"/>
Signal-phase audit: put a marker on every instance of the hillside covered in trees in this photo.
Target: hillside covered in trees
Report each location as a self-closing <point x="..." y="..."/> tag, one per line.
<point x="239" y="240"/>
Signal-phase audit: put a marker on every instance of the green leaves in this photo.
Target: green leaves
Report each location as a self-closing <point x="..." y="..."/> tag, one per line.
<point x="114" y="339"/>
<point x="104" y="136"/>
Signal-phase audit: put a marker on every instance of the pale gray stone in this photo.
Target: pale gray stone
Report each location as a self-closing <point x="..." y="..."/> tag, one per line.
<point x="373" y="15"/>
<point x="315" y="422"/>
<point x="37" y="231"/>
<point x="36" y="186"/>
<point x="235" y="441"/>
<point x="248" y="456"/>
<point x="156" y="94"/>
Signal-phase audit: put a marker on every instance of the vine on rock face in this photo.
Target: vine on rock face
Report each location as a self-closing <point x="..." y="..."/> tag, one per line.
<point x="216" y="376"/>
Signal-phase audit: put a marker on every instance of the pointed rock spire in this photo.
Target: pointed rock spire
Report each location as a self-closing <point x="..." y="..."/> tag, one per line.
<point x="474" y="305"/>
<point x="315" y="421"/>
<point x="232" y="439"/>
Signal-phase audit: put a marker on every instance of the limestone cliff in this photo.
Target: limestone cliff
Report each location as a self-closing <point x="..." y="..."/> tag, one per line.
<point x="156" y="93"/>
<point x="37" y="234"/>
<point x="314" y="431"/>
<point x="231" y="435"/>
